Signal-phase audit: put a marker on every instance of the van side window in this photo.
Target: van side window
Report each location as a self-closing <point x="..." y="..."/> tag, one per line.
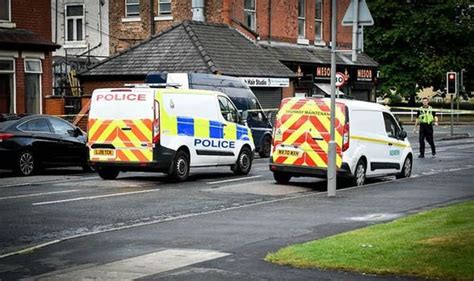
<point x="229" y="112"/>
<point x="391" y="126"/>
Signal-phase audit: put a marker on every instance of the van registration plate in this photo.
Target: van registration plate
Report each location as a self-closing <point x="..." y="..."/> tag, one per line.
<point x="285" y="152"/>
<point x="104" y="152"/>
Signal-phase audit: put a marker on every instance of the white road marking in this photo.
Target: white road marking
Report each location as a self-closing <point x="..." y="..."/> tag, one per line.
<point x="38" y="194"/>
<point x="136" y="267"/>
<point x="92" y="197"/>
<point x="27" y="250"/>
<point x="46" y="182"/>
<point x="238" y="179"/>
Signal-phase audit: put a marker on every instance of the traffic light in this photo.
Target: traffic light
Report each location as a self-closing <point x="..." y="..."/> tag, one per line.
<point x="451" y="83"/>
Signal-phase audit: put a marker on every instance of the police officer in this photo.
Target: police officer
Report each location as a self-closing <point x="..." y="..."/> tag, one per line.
<point x="426" y="117"/>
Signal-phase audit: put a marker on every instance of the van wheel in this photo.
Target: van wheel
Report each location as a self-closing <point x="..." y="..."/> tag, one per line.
<point x="180" y="170"/>
<point x="266" y="147"/>
<point x="359" y="174"/>
<point x="26" y="164"/>
<point x="108" y="173"/>
<point x="406" y="169"/>
<point x="244" y="162"/>
<point x="281" y="178"/>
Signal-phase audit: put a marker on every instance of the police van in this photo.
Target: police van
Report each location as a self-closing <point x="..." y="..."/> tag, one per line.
<point x="166" y="130"/>
<point x="240" y="94"/>
<point x="370" y="142"/>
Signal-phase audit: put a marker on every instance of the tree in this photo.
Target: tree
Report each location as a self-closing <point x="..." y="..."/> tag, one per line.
<point x="417" y="42"/>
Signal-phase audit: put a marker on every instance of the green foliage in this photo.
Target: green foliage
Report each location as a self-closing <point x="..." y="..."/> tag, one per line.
<point x="433" y="244"/>
<point x="416" y="42"/>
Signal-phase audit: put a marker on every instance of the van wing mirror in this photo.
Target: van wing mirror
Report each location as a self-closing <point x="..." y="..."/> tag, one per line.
<point x="402" y="135"/>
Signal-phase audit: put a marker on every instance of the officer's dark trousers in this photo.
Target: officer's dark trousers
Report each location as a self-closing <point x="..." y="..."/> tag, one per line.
<point x="426" y="131"/>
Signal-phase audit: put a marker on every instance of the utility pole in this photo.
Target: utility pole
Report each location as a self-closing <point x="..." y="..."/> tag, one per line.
<point x="332" y="143"/>
<point x="355" y="30"/>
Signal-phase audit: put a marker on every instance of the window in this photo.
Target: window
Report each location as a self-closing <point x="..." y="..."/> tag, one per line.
<point x="391" y="126"/>
<point x="228" y="110"/>
<point x="318" y="21"/>
<point x="249" y="11"/>
<point x="132" y="8"/>
<point x="61" y="128"/>
<point x="301" y="18"/>
<point x="33" y="72"/>
<point x="7" y="94"/>
<point x="74" y="23"/>
<point x="164" y="7"/>
<point x="5" y="10"/>
<point x="36" y="125"/>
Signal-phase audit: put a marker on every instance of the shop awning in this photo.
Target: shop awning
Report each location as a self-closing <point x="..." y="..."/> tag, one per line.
<point x="326" y="88"/>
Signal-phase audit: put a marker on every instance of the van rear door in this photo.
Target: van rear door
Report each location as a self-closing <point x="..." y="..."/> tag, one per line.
<point x="120" y="125"/>
<point x="288" y="139"/>
<point x="317" y="129"/>
<point x="302" y="133"/>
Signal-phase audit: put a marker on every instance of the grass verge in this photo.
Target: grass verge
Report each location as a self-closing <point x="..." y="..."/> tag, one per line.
<point x="433" y="244"/>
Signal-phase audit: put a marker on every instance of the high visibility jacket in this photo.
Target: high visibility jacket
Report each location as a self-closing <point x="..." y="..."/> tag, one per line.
<point x="426" y="115"/>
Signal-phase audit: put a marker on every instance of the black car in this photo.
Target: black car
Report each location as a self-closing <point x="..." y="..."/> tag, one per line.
<point x="32" y="142"/>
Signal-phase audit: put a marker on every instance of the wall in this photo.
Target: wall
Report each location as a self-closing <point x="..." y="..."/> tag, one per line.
<point x="96" y="27"/>
<point x="284" y="27"/>
<point x="25" y="14"/>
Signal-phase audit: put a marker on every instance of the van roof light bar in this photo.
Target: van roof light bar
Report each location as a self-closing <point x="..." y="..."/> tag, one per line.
<point x="153" y="85"/>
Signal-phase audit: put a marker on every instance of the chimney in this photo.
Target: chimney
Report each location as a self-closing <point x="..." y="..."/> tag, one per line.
<point x="198" y="10"/>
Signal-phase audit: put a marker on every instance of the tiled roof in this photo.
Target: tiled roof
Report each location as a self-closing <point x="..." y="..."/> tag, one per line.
<point x="14" y="38"/>
<point x="317" y="55"/>
<point x="194" y="47"/>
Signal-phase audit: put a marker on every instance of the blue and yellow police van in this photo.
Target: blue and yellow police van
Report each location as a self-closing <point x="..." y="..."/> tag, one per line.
<point x="166" y="130"/>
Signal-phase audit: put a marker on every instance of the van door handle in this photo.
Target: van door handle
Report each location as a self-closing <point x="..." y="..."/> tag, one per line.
<point x="126" y="129"/>
<point x="317" y="138"/>
<point x="390" y="144"/>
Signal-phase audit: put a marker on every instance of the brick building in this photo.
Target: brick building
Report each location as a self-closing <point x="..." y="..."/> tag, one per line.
<point x="25" y="56"/>
<point x="295" y="33"/>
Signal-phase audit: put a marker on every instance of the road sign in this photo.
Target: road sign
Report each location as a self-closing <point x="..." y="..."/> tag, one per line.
<point x="365" y="18"/>
<point x="340" y="79"/>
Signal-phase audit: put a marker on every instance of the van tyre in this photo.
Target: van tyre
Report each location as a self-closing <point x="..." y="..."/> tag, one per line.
<point x="180" y="170"/>
<point x="26" y="164"/>
<point x="360" y="173"/>
<point x="244" y="162"/>
<point x="281" y="178"/>
<point x="108" y="173"/>
<point x="266" y="147"/>
<point x="406" y="169"/>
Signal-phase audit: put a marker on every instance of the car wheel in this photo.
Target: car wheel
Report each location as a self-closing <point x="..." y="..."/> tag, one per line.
<point x="281" y="177"/>
<point x="26" y="163"/>
<point x="180" y="170"/>
<point x="359" y="174"/>
<point x="406" y="169"/>
<point x="244" y="162"/>
<point x="266" y="147"/>
<point x="108" y="173"/>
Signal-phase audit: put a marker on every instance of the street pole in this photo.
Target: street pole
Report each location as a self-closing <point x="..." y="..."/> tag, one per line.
<point x="332" y="143"/>
<point x="452" y="114"/>
<point x="458" y="96"/>
<point x="355" y="30"/>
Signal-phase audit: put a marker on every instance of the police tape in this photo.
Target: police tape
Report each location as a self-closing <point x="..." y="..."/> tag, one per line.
<point x="443" y="110"/>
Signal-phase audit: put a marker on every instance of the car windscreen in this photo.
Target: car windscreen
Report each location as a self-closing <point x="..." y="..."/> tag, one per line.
<point x="6" y="124"/>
